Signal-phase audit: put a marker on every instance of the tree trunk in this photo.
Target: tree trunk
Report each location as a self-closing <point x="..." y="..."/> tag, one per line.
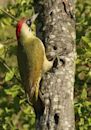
<point x="57" y="85"/>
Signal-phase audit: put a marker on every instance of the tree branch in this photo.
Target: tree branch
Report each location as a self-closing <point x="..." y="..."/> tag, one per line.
<point x="9" y="14"/>
<point x="9" y="69"/>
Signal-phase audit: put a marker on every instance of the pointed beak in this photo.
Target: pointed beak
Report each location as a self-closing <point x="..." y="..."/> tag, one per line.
<point x="34" y="17"/>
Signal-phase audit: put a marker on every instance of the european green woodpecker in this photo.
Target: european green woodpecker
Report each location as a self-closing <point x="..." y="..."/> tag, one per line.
<point x="31" y="56"/>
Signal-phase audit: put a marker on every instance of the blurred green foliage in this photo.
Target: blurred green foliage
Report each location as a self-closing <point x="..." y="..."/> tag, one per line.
<point x="83" y="70"/>
<point x="15" y="111"/>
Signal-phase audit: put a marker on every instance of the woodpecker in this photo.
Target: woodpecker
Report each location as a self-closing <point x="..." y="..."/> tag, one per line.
<point x="31" y="56"/>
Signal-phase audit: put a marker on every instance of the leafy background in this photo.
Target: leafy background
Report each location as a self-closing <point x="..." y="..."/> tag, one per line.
<point x="15" y="112"/>
<point x="83" y="70"/>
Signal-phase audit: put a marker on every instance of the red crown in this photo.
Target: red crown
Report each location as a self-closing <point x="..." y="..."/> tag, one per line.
<point x="19" y="26"/>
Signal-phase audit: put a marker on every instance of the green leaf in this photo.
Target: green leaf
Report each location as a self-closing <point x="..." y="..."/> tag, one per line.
<point x="85" y="39"/>
<point x="84" y="94"/>
<point x="89" y="121"/>
<point x="81" y="121"/>
<point x="2" y="50"/>
<point x="13" y="91"/>
<point x="9" y="75"/>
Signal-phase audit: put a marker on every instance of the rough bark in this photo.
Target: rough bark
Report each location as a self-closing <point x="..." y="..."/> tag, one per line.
<point x="57" y="85"/>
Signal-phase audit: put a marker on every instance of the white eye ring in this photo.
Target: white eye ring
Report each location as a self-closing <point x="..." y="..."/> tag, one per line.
<point x="28" y="22"/>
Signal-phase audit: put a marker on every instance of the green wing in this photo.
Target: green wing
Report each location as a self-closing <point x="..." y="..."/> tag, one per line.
<point x="31" y="64"/>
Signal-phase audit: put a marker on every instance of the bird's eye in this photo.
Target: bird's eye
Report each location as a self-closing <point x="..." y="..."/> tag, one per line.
<point x="28" y="22"/>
